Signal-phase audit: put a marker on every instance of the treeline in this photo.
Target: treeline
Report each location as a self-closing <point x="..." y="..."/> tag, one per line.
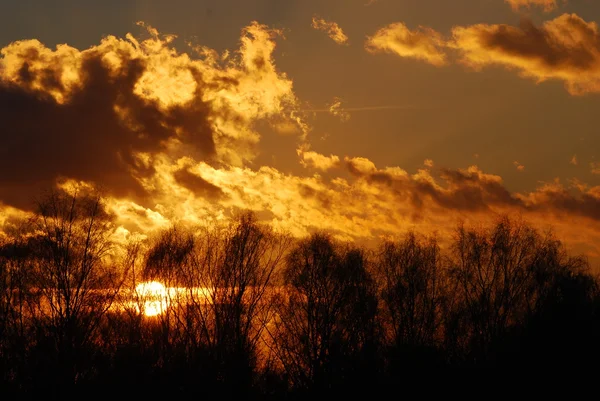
<point x="273" y="316"/>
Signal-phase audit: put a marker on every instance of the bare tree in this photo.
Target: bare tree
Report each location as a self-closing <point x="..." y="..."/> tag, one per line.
<point x="498" y="276"/>
<point x="75" y="285"/>
<point x="220" y="279"/>
<point x="239" y="281"/>
<point x="15" y="295"/>
<point x="327" y="313"/>
<point x="411" y="279"/>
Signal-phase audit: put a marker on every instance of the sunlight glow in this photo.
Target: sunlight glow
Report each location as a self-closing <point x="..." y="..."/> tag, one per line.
<point x="152" y="298"/>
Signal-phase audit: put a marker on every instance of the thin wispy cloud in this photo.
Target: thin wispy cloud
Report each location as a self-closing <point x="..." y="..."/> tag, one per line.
<point x="362" y="108"/>
<point x="337" y="110"/>
<point x="423" y="44"/>
<point x="332" y="29"/>
<point x="573" y="160"/>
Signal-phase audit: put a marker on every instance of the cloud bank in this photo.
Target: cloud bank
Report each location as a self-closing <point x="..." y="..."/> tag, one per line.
<point x="172" y="137"/>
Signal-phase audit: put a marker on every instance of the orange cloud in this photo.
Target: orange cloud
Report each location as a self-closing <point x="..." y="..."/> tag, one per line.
<point x="547" y="5"/>
<point x="318" y="161"/>
<point x="372" y="202"/>
<point x="595" y="167"/>
<point x="104" y="114"/>
<point x="337" y="110"/>
<point x="332" y="29"/>
<point x="566" y="48"/>
<point x="111" y="116"/>
<point x="519" y="166"/>
<point x="422" y="44"/>
<point x="10" y="219"/>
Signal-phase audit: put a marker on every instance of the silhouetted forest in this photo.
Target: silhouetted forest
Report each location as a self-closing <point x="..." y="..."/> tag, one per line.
<point x="277" y="316"/>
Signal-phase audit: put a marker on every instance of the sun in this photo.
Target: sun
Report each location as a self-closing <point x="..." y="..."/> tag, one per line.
<point x="152" y="296"/>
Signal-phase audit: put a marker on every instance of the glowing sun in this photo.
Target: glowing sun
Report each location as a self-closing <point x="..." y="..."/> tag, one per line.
<point x="152" y="297"/>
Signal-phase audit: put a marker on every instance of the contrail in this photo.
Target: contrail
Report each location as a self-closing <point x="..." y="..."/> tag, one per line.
<point x="366" y="108"/>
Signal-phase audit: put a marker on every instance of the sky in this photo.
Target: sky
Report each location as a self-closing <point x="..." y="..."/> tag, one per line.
<point x="365" y="118"/>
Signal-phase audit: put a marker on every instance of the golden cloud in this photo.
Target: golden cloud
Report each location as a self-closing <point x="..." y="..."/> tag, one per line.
<point x="422" y="44"/>
<point x="573" y="160"/>
<point x="10" y="219"/>
<point x="104" y="113"/>
<point x="566" y="48"/>
<point x="318" y="161"/>
<point x="546" y="5"/>
<point x="171" y="138"/>
<point x="336" y="109"/>
<point x="372" y="202"/>
<point x="332" y="29"/>
<point x="519" y="166"/>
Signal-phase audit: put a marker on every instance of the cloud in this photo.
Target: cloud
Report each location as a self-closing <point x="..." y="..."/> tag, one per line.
<point x="371" y="202"/>
<point x="332" y="29"/>
<point x="337" y="110"/>
<point x="573" y="160"/>
<point x="318" y="161"/>
<point x="579" y="200"/>
<point x="104" y="114"/>
<point x="197" y="185"/>
<point x="423" y="44"/>
<point x="361" y="166"/>
<point x="566" y="48"/>
<point x="172" y="138"/>
<point x="464" y="190"/>
<point x="519" y="166"/>
<point x="595" y="167"/>
<point x="546" y="5"/>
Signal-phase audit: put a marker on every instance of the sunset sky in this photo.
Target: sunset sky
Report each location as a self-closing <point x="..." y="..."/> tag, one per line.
<point x="365" y="118"/>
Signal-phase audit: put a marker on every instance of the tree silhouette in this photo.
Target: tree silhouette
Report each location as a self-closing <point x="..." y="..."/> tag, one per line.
<point x="225" y="276"/>
<point x="249" y="312"/>
<point x="238" y="282"/>
<point x="15" y="293"/>
<point x="70" y="284"/>
<point x="412" y="292"/>
<point x="502" y="278"/>
<point x="326" y="318"/>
